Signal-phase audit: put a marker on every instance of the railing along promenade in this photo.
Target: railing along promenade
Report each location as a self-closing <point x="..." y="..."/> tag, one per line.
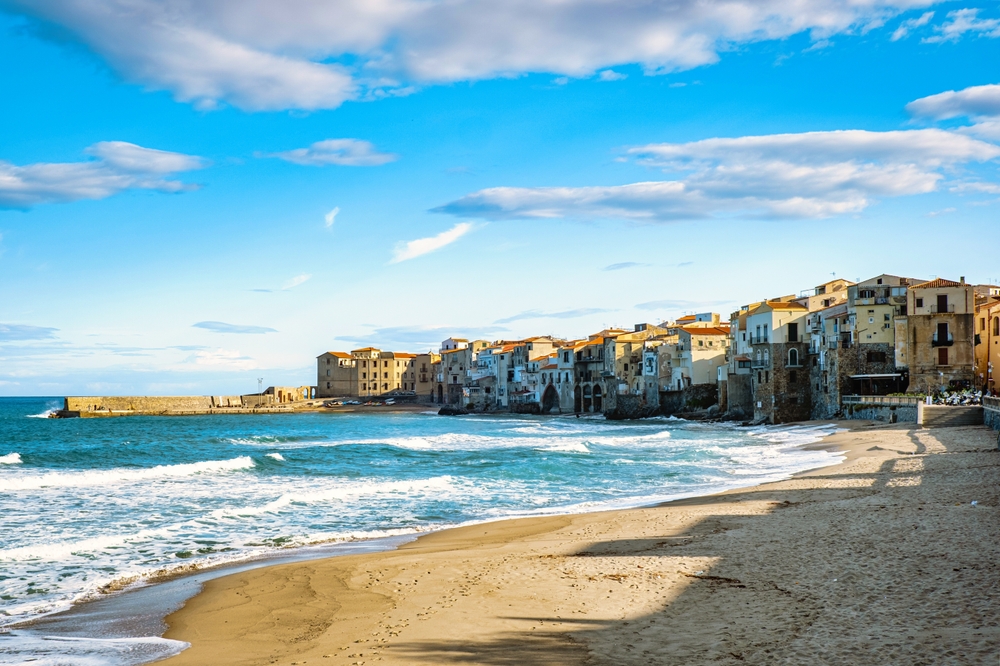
<point x="895" y="400"/>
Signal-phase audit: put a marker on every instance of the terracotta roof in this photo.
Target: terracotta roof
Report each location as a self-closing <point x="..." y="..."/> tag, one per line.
<point x="405" y="355"/>
<point x="365" y="349"/>
<point x="687" y="318"/>
<point x="699" y="330"/>
<point x="339" y="354"/>
<point x="935" y="284"/>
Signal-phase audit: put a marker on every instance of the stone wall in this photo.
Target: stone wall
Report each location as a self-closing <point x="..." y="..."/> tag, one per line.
<point x="939" y="416"/>
<point x="631" y="407"/>
<point x="144" y="404"/>
<point x="699" y="396"/>
<point x="886" y="413"/>
<point x="991" y="416"/>
<point x="739" y="397"/>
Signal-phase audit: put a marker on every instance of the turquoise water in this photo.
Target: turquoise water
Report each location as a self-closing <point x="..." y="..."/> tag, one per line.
<point x="92" y="505"/>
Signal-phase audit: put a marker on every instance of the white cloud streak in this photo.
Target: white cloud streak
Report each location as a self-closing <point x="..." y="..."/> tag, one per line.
<point x="808" y="175"/>
<point x="421" y="246"/>
<point x="331" y="217"/>
<point x="908" y="25"/>
<point x="118" y="166"/>
<point x="963" y="21"/>
<point x="262" y="56"/>
<point x="340" y="152"/>
<point x="295" y="281"/>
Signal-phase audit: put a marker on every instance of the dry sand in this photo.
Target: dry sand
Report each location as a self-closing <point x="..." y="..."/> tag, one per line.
<point x="879" y="560"/>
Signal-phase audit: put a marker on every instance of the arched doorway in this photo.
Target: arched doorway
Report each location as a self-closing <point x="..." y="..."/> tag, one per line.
<point x="598" y="404"/>
<point x="577" y="400"/>
<point x="587" y="402"/>
<point x="550" y="399"/>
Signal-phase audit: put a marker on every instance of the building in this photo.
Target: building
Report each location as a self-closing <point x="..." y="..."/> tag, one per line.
<point x="371" y="372"/>
<point x="987" y="344"/>
<point x="940" y="335"/>
<point x="335" y="375"/>
<point x="779" y="376"/>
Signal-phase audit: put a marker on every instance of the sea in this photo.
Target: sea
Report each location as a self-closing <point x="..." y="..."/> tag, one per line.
<point x="112" y="517"/>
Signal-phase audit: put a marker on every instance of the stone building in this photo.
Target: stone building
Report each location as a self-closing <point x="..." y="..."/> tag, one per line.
<point x="779" y="377"/>
<point x="335" y="375"/>
<point x="371" y="372"/>
<point x="940" y="335"/>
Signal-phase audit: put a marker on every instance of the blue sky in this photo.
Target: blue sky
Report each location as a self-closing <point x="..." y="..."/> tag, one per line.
<point x="196" y="195"/>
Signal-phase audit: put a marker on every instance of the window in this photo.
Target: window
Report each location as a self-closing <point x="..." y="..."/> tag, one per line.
<point x="364" y="387"/>
<point x="328" y="384"/>
<point x="982" y="324"/>
<point x="942" y="332"/>
<point x="942" y="302"/>
<point x="920" y="303"/>
<point x="626" y="367"/>
<point x="996" y="326"/>
<point x="942" y="356"/>
<point x="793" y="332"/>
<point x="767" y="376"/>
<point x="565" y="357"/>
<point x="328" y="361"/>
<point x="879" y="281"/>
<point x="871" y="320"/>
<point x="758" y="377"/>
<point x="793" y="358"/>
<point x="701" y="343"/>
<point x="866" y="293"/>
<point x="364" y="375"/>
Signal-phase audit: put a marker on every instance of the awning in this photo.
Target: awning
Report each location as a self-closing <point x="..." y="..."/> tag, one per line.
<point x="885" y="376"/>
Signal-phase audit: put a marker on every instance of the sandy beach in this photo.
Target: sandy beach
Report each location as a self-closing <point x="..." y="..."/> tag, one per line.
<point x="880" y="559"/>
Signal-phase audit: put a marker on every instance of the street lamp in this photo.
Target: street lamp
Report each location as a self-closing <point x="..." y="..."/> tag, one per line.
<point x="260" y="390"/>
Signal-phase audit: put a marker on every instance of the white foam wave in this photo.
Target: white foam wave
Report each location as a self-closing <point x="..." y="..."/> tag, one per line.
<point x="44" y="415"/>
<point x="436" y="484"/>
<point x="11" y="459"/>
<point x="120" y="475"/>
<point x="566" y="447"/>
<point x="276" y="456"/>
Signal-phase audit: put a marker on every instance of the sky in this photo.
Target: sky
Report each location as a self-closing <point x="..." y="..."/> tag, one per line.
<point x="195" y="196"/>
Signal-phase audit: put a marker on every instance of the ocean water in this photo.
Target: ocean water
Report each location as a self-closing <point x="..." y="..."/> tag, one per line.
<point x="89" y="507"/>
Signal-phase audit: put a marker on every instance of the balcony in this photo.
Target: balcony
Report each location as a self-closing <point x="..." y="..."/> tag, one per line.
<point x="937" y="341"/>
<point x="757" y="365"/>
<point x="758" y="339"/>
<point x="935" y="309"/>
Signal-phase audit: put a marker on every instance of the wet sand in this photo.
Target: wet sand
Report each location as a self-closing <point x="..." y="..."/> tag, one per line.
<point x="878" y="560"/>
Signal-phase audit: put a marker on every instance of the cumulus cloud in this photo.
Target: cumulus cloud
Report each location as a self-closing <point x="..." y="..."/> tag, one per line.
<point x="314" y="54"/>
<point x="538" y="314"/>
<point x="421" y="246"/>
<point x="908" y="25"/>
<point x="807" y="175"/>
<point x="19" y="332"/>
<point x="222" y="327"/>
<point x="342" y="152"/>
<point x="962" y="21"/>
<point x="331" y="217"/>
<point x="973" y="101"/>
<point x="118" y="166"/>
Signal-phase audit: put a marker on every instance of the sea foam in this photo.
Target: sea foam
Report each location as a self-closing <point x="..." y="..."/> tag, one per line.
<point x="11" y="459"/>
<point x="120" y="475"/>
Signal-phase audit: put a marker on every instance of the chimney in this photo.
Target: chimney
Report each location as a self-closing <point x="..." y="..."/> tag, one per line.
<point x="961" y="280"/>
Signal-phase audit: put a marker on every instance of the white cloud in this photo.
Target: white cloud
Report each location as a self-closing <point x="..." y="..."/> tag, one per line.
<point x="239" y="329"/>
<point x="973" y="101"/>
<point x="909" y="24"/>
<point x="295" y="281"/>
<point x="331" y="217"/>
<point x="421" y="246"/>
<point x="564" y="314"/>
<point x="342" y="152"/>
<point x="260" y="55"/>
<point x="119" y="166"/>
<point x="224" y="359"/>
<point x="611" y="75"/>
<point x="808" y="175"/>
<point x="962" y="21"/>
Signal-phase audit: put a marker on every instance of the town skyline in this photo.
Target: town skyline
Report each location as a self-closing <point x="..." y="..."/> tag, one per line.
<point x="184" y="216"/>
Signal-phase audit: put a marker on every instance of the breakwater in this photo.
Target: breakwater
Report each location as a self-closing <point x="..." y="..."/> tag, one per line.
<point x="102" y="406"/>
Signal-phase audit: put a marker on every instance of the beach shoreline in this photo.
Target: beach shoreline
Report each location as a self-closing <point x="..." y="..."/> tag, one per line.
<point x="523" y="586"/>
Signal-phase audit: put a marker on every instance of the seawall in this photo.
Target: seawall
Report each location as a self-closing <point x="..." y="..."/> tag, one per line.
<point x="100" y="406"/>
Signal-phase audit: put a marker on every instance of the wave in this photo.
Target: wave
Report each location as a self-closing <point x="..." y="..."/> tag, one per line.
<point x="11" y="459"/>
<point x="276" y="456"/>
<point x="436" y="484"/>
<point x="44" y="415"/>
<point x="121" y="475"/>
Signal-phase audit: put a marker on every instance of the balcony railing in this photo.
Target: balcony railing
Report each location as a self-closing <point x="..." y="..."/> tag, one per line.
<point x="991" y="403"/>
<point x="758" y="339"/>
<point x="936" y="341"/>
<point x="763" y="363"/>
<point x="939" y="310"/>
